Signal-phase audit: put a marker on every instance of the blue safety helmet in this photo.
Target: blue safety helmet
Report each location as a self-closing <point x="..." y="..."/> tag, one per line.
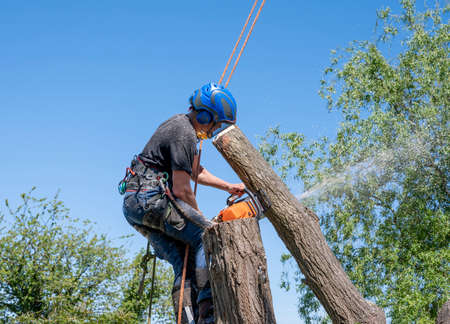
<point x="214" y="103"/>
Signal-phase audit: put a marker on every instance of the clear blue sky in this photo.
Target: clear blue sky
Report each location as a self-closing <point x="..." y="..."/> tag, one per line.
<point x="83" y="84"/>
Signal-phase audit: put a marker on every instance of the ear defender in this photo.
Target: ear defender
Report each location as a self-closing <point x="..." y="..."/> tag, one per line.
<point x="204" y="117"/>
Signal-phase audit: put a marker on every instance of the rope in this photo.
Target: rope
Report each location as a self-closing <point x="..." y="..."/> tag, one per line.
<point x="186" y="251"/>
<point x="144" y="261"/>
<point x="198" y="167"/>
<point x="183" y="279"/>
<point x="145" y="258"/>
<point x="245" y="42"/>
<point x="149" y="321"/>
<point x="238" y="41"/>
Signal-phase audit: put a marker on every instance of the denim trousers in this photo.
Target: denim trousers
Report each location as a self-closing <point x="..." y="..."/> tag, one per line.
<point x="168" y="241"/>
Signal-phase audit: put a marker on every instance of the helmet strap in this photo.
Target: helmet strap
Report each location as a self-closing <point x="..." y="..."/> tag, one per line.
<point x="201" y="134"/>
<point x="210" y="130"/>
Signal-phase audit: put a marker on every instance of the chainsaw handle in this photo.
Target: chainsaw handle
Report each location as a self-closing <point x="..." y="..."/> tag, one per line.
<point x="232" y="199"/>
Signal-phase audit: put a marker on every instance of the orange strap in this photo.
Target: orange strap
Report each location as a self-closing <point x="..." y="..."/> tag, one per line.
<point x="183" y="279"/>
<point x="198" y="167"/>
<point x="238" y="41"/>
<point x="245" y="42"/>
<point x="186" y="251"/>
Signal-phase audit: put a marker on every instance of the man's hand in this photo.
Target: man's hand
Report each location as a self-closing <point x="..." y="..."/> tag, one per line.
<point x="236" y="188"/>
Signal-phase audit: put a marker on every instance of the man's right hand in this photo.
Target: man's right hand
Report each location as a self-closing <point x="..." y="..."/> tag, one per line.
<point x="236" y="189"/>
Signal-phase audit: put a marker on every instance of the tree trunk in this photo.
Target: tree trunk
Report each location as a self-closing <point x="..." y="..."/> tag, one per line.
<point x="299" y="229"/>
<point x="443" y="316"/>
<point x="238" y="271"/>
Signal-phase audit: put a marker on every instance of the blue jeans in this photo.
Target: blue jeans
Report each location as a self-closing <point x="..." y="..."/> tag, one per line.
<point x="166" y="239"/>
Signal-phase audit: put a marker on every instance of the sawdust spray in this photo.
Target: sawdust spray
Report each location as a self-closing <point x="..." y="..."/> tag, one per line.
<point x="402" y="155"/>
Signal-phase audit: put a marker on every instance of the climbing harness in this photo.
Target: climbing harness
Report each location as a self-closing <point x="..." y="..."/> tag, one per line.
<point x="141" y="177"/>
<point x="122" y="186"/>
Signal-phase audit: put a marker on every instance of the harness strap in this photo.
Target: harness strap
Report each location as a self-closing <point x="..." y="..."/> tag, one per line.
<point x="148" y="165"/>
<point x="143" y="177"/>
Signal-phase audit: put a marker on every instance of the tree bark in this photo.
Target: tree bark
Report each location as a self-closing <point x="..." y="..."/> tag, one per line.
<point x="238" y="272"/>
<point x="299" y="229"/>
<point x="443" y="316"/>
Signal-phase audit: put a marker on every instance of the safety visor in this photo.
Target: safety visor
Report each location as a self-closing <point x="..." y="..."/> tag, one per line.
<point x="217" y="128"/>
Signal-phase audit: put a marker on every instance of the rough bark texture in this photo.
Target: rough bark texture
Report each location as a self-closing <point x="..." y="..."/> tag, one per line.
<point x="299" y="229"/>
<point x="238" y="270"/>
<point x="444" y="314"/>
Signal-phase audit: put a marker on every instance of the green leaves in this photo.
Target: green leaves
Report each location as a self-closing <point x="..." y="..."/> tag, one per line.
<point x="381" y="187"/>
<point x="50" y="267"/>
<point x="55" y="269"/>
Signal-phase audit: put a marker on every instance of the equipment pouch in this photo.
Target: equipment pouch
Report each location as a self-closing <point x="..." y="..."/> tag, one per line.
<point x="155" y="209"/>
<point x="173" y="218"/>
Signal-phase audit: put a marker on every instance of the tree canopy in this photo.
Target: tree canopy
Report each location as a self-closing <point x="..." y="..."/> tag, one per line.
<point x="55" y="269"/>
<point x="381" y="186"/>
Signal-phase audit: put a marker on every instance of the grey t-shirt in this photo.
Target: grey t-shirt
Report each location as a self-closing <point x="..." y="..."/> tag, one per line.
<point x="172" y="147"/>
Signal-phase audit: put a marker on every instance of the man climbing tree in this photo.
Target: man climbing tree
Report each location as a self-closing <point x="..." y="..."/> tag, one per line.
<point x="159" y="201"/>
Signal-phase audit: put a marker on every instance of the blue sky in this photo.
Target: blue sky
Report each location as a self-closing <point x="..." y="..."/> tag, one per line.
<point x="83" y="84"/>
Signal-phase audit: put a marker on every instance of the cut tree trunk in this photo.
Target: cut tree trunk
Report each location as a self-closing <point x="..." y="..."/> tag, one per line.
<point x="299" y="229"/>
<point x="443" y="316"/>
<point x="238" y="272"/>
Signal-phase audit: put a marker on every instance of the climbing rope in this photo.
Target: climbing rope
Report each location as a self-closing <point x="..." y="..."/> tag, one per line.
<point x="144" y="261"/>
<point x="183" y="280"/>
<point x="186" y="251"/>
<point x="198" y="167"/>
<point x="149" y="321"/>
<point x="238" y="41"/>
<point x="245" y="42"/>
<point x="144" y="265"/>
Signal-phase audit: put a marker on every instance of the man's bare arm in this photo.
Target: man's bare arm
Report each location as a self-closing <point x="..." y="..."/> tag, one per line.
<point x="182" y="188"/>
<point x="208" y="179"/>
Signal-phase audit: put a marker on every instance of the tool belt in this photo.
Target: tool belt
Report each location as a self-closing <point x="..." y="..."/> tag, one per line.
<point x="140" y="177"/>
<point x="145" y="177"/>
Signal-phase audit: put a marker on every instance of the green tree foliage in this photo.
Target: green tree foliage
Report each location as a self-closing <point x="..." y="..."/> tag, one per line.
<point x="55" y="269"/>
<point x="381" y="187"/>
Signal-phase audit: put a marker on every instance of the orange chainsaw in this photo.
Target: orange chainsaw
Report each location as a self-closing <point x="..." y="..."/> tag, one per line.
<point x="239" y="207"/>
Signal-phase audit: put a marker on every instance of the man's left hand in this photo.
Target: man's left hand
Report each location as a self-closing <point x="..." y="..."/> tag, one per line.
<point x="236" y="188"/>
